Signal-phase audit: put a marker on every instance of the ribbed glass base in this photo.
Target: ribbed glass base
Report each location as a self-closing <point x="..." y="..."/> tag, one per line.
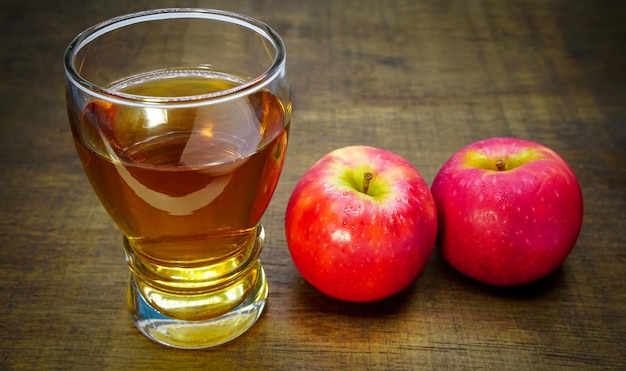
<point x="197" y="334"/>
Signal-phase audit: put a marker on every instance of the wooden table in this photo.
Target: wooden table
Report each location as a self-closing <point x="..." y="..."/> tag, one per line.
<point x="420" y="78"/>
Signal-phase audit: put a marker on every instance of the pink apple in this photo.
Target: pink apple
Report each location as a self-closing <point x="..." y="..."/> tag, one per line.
<point x="361" y="224"/>
<point x="510" y="211"/>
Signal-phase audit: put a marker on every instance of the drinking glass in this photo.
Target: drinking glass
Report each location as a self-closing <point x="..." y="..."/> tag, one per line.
<point x="180" y="118"/>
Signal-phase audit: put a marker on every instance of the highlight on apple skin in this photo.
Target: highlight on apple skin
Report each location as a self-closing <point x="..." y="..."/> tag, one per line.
<point x="510" y="211"/>
<point x="361" y="224"/>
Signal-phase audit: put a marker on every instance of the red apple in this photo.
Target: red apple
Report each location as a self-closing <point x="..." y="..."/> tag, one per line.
<point x="361" y="224"/>
<point x="510" y="211"/>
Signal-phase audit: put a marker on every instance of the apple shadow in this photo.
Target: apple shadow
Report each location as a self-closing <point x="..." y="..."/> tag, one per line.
<point x="311" y="298"/>
<point x="543" y="286"/>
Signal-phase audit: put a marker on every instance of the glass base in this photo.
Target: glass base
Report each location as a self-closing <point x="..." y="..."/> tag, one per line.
<point x="197" y="334"/>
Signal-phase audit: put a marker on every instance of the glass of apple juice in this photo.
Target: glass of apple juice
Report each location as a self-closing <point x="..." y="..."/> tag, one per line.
<point x="180" y="118"/>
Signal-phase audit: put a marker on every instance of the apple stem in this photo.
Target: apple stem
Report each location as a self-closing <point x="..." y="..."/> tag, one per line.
<point x="500" y="165"/>
<point x="367" y="177"/>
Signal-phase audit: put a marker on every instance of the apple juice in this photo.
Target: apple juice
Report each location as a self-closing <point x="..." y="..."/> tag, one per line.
<point x="186" y="184"/>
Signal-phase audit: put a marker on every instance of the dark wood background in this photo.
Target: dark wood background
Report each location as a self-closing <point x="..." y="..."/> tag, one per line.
<point x="420" y="78"/>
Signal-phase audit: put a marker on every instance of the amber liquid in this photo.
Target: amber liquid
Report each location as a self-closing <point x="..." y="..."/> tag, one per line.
<point x="187" y="186"/>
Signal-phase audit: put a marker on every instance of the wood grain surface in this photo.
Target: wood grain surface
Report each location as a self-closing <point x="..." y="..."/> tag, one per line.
<point x="420" y="78"/>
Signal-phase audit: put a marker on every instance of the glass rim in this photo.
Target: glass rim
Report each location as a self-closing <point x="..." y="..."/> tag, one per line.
<point x="256" y="83"/>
